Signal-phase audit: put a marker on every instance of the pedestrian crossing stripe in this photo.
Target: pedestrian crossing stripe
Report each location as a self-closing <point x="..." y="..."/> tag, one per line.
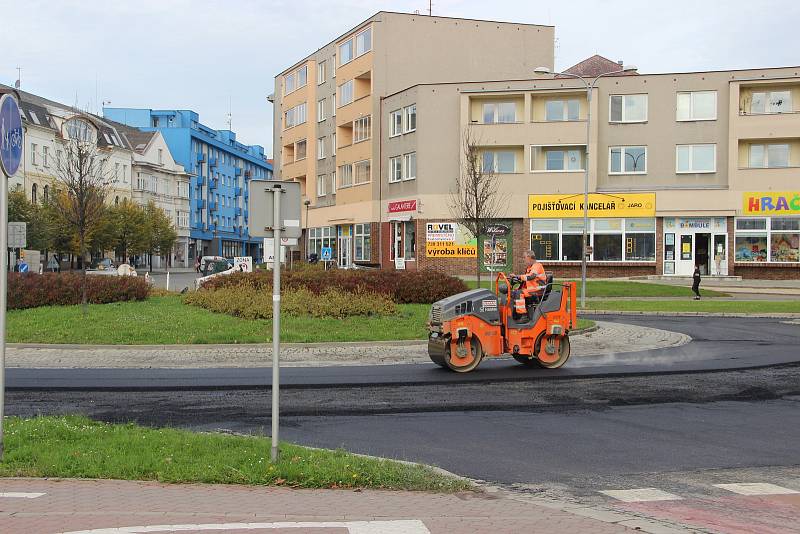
<point x="756" y="488"/>
<point x="641" y="495"/>
<point x="390" y="526"/>
<point x="20" y="495"/>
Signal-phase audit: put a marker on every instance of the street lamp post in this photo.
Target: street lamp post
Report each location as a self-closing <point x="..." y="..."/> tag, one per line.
<point x="589" y="89"/>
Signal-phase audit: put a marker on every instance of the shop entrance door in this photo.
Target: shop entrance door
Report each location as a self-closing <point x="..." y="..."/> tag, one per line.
<point x="345" y="247"/>
<point x="702" y="256"/>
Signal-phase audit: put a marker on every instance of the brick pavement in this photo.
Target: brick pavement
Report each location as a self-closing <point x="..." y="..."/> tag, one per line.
<point x="609" y="338"/>
<point x="80" y="505"/>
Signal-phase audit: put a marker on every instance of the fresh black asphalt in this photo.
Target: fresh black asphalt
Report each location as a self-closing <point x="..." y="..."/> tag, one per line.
<point x="718" y="344"/>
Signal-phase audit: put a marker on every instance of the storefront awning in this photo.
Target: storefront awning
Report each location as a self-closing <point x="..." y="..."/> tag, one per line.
<point x="399" y="218"/>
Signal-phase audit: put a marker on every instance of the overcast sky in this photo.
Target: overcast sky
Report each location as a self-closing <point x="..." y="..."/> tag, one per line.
<point x="206" y="55"/>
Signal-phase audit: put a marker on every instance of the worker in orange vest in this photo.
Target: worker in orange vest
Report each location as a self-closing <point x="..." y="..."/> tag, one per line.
<point x="534" y="282"/>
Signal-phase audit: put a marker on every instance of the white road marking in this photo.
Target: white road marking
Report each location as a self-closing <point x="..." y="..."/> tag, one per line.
<point x="353" y="527"/>
<point x="756" y="488"/>
<point x="641" y="495"/>
<point x="19" y="495"/>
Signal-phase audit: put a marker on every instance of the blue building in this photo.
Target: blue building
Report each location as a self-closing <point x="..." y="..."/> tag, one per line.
<point x="222" y="170"/>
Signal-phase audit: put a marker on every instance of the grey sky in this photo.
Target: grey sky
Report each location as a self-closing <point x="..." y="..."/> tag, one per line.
<point x="200" y="54"/>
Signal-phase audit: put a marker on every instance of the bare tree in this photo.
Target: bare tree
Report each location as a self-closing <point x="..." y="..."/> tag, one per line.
<point x="476" y="200"/>
<point x="81" y="171"/>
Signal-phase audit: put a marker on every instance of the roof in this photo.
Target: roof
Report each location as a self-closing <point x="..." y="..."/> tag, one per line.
<point x="597" y="65"/>
<point x="137" y="138"/>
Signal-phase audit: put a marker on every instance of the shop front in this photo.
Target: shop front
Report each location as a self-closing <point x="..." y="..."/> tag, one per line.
<point x="402" y="233"/>
<point x="767" y="235"/>
<point x="695" y="241"/>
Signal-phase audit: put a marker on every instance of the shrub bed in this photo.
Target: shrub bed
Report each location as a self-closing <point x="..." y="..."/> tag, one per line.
<point x="63" y="289"/>
<point x="250" y="302"/>
<point x="402" y="287"/>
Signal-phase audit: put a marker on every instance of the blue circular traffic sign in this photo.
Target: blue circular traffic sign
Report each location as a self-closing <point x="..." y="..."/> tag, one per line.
<point x="10" y="135"/>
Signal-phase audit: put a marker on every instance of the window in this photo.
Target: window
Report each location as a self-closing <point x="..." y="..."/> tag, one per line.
<point x="333" y="144"/>
<point x="544" y="239"/>
<point x="611" y="239"/>
<point x="302" y="76"/>
<point x="46" y="193"/>
<point x="300" y="150"/>
<point x="321" y="148"/>
<point x="771" y="102"/>
<point x="79" y="129"/>
<point x="404" y="243"/>
<point x="320" y="110"/>
<point x="346" y="52"/>
<point x="46" y="156"/>
<point x="294" y="116"/>
<point x="333" y="182"/>
<point x="182" y="219"/>
<point x="333" y="105"/>
<point x="34" y="146"/>
<point x="362" y="172"/>
<point x="499" y="112"/>
<point x="395" y="169"/>
<point x="562" y="110"/>
<point x="499" y="161"/>
<point x="628" y="160"/>
<point x="362" y="129"/>
<point x="160" y="156"/>
<point x="346" y="175"/>
<point x="125" y="174"/>
<point x="396" y="123"/>
<point x="769" y="156"/>
<point x="628" y="108"/>
<point x="695" y="158"/>
<point x="362" y="242"/>
<point x="697" y="106"/>
<point x="563" y="160"/>
<point x="321" y="72"/>
<point x="34" y="193"/>
<point x="410" y="166"/>
<point x="183" y="189"/>
<point x="410" y="113"/>
<point x="346" y="93"/>
<point x="768" y="239"/>
<point x="364" y="42"/>
<point x="289" y="84"/>
<point x="321" y="237"/>
<point x="321" y="185"/>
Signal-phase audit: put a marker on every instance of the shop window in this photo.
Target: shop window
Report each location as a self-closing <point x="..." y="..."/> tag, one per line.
<point x="784" y="247"/>
<point x="640" y="247"/>
<point x="363" y="242"/>
<point x="751" y="247"/>
<point x="762" y="239"/>
<point x="572" y="247"/>
<point x="607" y="247"/>
<point x="404" y="243"/>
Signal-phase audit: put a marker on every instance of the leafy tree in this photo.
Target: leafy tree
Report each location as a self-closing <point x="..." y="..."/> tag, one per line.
<point x="128" y="222"/>
<point x="161" y="234"/>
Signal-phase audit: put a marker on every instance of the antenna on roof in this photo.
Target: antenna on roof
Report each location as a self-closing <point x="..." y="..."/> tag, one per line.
<point x="18" y="83"/>
<point x="430" y="7"/>
<point x="230" y="115"/>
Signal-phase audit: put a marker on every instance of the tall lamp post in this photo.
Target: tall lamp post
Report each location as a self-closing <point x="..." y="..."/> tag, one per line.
<point x="589" y="88"/>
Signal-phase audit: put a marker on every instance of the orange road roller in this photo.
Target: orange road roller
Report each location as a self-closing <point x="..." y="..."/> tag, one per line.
<point x="465" y="328"/>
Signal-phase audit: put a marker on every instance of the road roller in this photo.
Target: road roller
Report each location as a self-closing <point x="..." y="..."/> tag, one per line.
<point x="466" y="328"/>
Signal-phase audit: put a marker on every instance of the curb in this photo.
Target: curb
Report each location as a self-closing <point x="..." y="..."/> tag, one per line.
<point x="589" y="312"/>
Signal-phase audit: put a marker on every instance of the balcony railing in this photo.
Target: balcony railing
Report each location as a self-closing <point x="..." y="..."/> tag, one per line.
<point x="201" y="157"/>
<point x="238" y="171"/>
<point x="212" y="184"/>
<point x="212" y="162"/>
<point x="212" y="206"/>
<point x="199" y="203"/>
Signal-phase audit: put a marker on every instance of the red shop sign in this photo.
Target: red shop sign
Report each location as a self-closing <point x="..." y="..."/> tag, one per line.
<point x="402" y="205"/>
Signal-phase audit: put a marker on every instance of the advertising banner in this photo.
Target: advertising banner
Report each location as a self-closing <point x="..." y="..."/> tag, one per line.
<point x="449" y="240"/>
<point x="600" y="205"/>
<point x="771" y="203"/>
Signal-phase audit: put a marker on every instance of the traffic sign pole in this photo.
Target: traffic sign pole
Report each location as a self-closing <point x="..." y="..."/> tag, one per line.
<point x="276" y="316"/>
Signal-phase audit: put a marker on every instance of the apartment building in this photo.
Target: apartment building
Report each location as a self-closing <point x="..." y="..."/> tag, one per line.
<point x="158" y="178"/>
<point x="685" y="169"/>
<point x="328" y="110"/>
<point x="221" y="168"/>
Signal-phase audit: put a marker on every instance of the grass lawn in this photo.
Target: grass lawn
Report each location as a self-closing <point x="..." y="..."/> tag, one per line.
<point x="624" y="288"/>
<point x="77" y="447"/>
<point x="167" y="321"/>
<point x="688" y="305"/>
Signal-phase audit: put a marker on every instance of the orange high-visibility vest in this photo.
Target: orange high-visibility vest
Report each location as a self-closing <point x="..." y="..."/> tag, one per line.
<point x="535" y="279"/>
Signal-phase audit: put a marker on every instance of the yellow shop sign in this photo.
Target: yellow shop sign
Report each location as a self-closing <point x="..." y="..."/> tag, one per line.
<point x="771" y="203"/>
<point x="600" y="205"/>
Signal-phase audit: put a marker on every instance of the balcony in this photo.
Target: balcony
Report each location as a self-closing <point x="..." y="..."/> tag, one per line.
<point x="201" y="157"/>
<point x="767" y="125"/>
<point x="212" y="184"/>
<point x="238" y="171"/>
<point x="199" y="203"/>
<point x="237" y="211"/>
<point x="248" y="174"/>
<point x="212" y="162"/>
<point x="238" y="191"/>
<point x="539" y="133"/>
<point x="198" y="181"/>
<point x="212" y="206"/>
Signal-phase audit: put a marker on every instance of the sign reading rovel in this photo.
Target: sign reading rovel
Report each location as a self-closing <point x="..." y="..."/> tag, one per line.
<point x="402" y="205"/>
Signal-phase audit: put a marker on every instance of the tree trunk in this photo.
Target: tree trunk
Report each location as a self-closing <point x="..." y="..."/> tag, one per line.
<point x="151" y="262"/>
<point x="84" y="306"/>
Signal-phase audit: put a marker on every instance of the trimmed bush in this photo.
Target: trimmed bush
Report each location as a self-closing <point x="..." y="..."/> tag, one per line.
<point x="250" y="302"/>
<point x="64" y="289"/>
<point x="402" y="287"/>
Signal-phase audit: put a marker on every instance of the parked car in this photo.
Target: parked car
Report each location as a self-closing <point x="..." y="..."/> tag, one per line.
<point x="211" y="266"/>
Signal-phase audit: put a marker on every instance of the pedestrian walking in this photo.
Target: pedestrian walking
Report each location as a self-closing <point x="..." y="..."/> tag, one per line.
<point x="197" y="265"/>
<point x="696" y="282"/>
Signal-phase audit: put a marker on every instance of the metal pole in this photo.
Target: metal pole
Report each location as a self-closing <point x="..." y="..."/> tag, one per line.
<point x="3" y="299"/>
<point x="276" y="314"/>
<point x="167" y="280"/>
<point x="586" y="192"/>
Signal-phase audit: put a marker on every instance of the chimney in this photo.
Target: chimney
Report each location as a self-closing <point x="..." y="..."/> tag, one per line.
<point x="620" y="62"/>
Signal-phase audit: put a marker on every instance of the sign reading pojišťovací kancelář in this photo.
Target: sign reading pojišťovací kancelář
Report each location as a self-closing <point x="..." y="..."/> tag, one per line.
<point x="449" y="240"/>
<point x="600" y="205"/>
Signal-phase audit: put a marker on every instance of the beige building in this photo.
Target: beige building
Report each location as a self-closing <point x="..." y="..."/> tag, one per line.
<point x="685" y="169"/>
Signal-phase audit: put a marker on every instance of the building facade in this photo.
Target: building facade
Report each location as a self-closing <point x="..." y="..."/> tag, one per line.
<point x="685" y="169"/>
<point x="328" y="109"/>
<point x="157" y="178"/>
<point x="221" y="170"/>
